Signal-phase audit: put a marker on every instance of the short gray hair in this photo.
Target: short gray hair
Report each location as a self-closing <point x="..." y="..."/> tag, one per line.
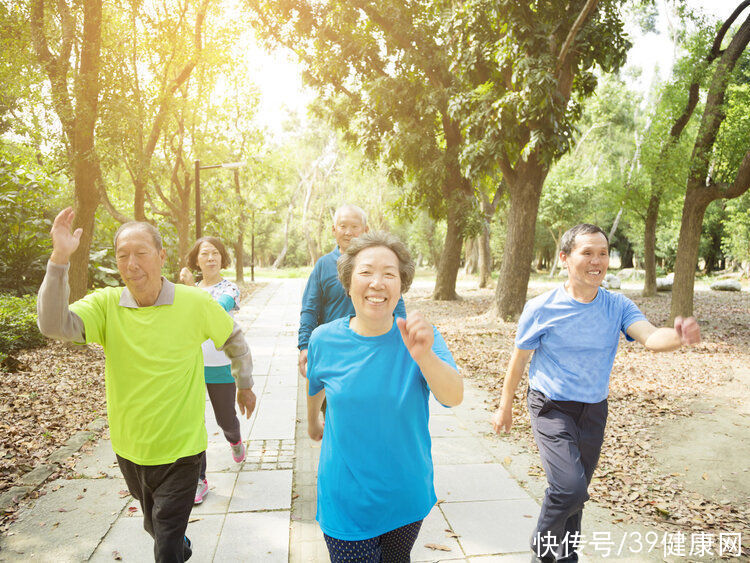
<point x="349" y="207"/>
<point x="345" y="264"/>
<point x="143" y="226"/>
<point x="568" y="240"/>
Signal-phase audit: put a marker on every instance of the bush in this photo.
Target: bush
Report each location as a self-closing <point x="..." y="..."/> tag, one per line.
<point x="18" y="328"/>
<point x="25" y="196"/>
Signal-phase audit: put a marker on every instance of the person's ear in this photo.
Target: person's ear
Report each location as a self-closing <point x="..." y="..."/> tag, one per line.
<point x="366" y="229"/>
<point x="163" y="256"/>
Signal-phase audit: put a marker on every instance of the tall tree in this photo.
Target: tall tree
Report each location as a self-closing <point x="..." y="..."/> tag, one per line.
<point x="78" y="56"/>
<point x="382" y="70"/>
<point x="525" y="68"/>
<point x="703" y="186"/>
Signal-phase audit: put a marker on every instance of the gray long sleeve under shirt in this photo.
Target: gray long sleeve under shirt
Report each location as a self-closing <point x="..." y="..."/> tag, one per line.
<point x="56" y="320"/>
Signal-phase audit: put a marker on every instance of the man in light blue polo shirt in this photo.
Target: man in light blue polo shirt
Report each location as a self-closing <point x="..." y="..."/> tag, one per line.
<point x="571" y="334"/>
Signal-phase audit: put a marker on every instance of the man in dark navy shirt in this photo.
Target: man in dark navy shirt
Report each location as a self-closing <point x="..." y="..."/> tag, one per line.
<point x="325" y="299"/>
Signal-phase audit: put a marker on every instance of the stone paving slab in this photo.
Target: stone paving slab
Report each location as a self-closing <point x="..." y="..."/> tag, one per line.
<point x="262" y="490"/>
<point x="254" y="536"/>
<point x="493" y="527"/>
<point x="474" y="482"/>
<point x="67" y="523"/>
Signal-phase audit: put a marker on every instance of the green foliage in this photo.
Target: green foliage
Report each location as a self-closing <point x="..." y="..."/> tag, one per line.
<point x="18" y="328"/>
<point x="26" y="194"/>
<point x="511" y="101"/>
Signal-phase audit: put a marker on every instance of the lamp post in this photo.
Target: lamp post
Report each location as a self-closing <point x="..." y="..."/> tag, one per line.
<point x="198" y="168"/>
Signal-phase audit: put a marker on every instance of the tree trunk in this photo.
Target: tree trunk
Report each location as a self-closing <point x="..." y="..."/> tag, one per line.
<point x="239" y="245"/>
<point x="515" y="267"/>
<point x="280" y="258"/>
<point x="693" y="210"/>
<point x="485" y="257"/>
<point x="450" y="259"/>
<point x="649" y="244"/>
<point x="471" y="255"/>
<point x="79" y="263"/>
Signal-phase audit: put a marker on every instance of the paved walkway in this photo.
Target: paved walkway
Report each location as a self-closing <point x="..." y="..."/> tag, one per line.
<point x="264" y="509"/>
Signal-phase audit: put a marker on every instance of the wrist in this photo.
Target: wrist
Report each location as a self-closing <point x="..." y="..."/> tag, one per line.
<point x="59" y="258"/>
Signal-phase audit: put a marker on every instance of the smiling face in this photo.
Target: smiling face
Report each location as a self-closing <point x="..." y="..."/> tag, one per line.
<point x="375" y="286"/>
<point x="348" y="226"/>
<point x="139" y="262"/>
<point x="587" y="262"/>
<point x="208" y="259"/>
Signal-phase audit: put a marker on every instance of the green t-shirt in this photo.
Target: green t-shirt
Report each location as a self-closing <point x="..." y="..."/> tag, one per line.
<point x="154" y="370"/>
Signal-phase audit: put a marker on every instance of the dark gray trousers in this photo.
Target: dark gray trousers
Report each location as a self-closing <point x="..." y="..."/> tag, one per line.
<point x="222" y="396"/>
<point x="166" y="494"/>
<point x="569" y="435"/>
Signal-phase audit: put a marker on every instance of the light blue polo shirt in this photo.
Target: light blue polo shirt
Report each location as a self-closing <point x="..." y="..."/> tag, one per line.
<point x="375" y="472"/>
<point x="574" y="343"/>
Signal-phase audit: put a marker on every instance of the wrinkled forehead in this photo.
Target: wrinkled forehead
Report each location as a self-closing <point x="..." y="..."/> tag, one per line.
<point x="348" y="215"/>
<point x="135" y="236"/>
<point x="590" y="240"/>
<point x="377" y="256"/>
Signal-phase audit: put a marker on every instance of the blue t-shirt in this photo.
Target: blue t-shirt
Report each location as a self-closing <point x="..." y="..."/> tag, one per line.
<point x="375" y="472"/>
<point x="574" y="343"/>
<point x="325" y="299"/>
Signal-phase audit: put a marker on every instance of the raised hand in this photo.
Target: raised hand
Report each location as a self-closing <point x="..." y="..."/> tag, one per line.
<point x="688" y="330"/>
<point x="65" y="241"/>
<point x="186" y="277"/>
<point x="417" y="335"/>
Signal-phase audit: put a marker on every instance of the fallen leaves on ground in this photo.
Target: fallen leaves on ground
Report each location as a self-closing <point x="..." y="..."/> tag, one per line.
<point x="56" y="391"/>
<point x="645" y="391"/>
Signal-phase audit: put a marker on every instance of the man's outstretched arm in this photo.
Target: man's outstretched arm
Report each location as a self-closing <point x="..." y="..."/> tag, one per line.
<point x="55" y="319"/>
<point x="685" y="333"/>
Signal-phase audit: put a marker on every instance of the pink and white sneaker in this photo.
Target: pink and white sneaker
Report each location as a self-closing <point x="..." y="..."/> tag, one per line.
<point x="238" y="451"/>
<point x="201" y="491"/>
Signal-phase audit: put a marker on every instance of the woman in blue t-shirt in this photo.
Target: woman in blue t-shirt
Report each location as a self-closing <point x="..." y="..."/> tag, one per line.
<point x="375" y="473"/>
<point x="210" y="256"/>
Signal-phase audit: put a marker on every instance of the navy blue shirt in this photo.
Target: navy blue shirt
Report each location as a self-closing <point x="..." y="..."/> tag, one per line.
<point x="326" y="300"/>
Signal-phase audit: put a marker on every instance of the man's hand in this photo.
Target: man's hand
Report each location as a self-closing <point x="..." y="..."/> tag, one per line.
<point x="688" y="330"/>
<point x="302" y="362"/>
<point x="315" y="428"/>
<point x="417" y="334"/>
<point x="502" y="420"/>
<point x="186" y="277"/>
<point x="65" y="241"/>
<point x="246" y="401"/>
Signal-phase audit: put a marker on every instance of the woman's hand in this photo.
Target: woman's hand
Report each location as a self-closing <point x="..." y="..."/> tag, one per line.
<point x="186" y="277"/>
<point x="417" y="335"/>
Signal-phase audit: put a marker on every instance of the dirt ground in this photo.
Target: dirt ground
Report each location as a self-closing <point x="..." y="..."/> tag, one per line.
<point x="677" y="448"/>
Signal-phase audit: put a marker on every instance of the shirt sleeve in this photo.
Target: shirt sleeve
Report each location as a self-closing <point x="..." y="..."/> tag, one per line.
<point x="441" y="349"/>
<point x="218" y="324"/>
<point x="54" y="317"/>
<point x="400" y="311"/>
<point x="227" y="302"/>
<point x="630" y="314"/>
<point x="92" y="311"/>
<point x="314" y="385"/>
<point x="312" y="300"/>
<point x="528" y="333"/>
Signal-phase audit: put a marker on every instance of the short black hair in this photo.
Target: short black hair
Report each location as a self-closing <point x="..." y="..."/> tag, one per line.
<point x="567" y="242"/>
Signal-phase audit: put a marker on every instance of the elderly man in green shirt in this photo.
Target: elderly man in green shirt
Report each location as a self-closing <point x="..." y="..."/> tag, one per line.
<point x="151" y="331"/>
